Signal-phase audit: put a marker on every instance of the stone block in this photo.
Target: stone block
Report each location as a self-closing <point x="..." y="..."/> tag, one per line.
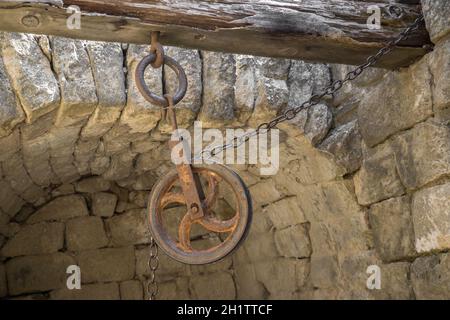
<point x="61" y="209"/>
<point x="392" y="228"/>
<point x="9" y="145"/>
<point x="430" y="277"/>
<point x="223" y="288"/>
<point x="10" y="110"/>
<point x="131" y="290"/>
<point x="173" y="290"/>
<point x="85" y="233"/>
<point x="10" y="203"/>
<point x="129" y="228"/>
<point x="98" y="291"/>
<point x="35" y="239"/>
<point x="423" y="154"/>
<point x="219" y="76"/>
<point x="247" y="286"/>
<point x="109" y="264"/>
<point x="282" y="275"/>
<point x="400" y="101"/>
<point x="431" y="218"/>
<point x="107" y="68"/>
<point x="78" y="93"/>
<point x="104" y="204"/>
<point x="293" y="242"/>
<point x="92" y="185"/>
<point x="245" y="87"/>
<point x="440" y="68"/>
<point x="318" y="124"/>
<point x="285" y="213"/>
<point x="378" y="178"/>
<point x="264" y="192"/>
<point x="344" y="144"/>
<point x="37" y="273"/>
<point x="31" y="74"/>
<point x="437" y="18"/>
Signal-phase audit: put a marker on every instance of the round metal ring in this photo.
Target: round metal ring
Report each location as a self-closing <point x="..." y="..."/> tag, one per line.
<point x="149" y="95"/>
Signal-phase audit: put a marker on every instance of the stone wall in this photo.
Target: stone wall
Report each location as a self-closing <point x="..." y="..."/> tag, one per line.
<point x="364" y="178"/>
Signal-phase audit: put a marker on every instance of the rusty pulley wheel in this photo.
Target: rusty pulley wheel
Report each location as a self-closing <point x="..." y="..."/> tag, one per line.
<point x="205" y="239"/>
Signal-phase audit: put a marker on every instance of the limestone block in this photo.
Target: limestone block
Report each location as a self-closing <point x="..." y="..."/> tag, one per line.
<point x="107" y="264"/>
<point x="93" y="184"/>
<point x="16" y="174"/>
<point x="437" y="18"/>
<point x="392" y="227"/>
<point x="31" y="74"/>
<point x="78" y="92"/>
<point x="120" y="166"/>
<point x="344" y="143"/>
<point x="223" y="288"/>
<point x="264" y="192"/>
<point x="440" y="68"/>
<point x="61" y="209"/>
<point x="64" y="168"/>
<point x="85" y="233"/>
<point x="401" y="100"/>
<point x="104" y="204"/>
<point x="172" y="290"/>
<point x="10" y="203"/>
<point x="423" y="154"/>
<point x="285" y="213"/>
<point x="378" y="178"/>
<point x="190" y="105"/>
<point x="273" y="68"/>
<point x="34" y="239"/>
<point x="9" y="145"/>
<point x="293" y="242"/>
<point x="324" y="271"/>
<point x="318" y="124"/>
<point x="139" y="114"/>
<point x="219" y="77"/>
<point x="63" y="190"/>
<point x="282" y="275"/>
<point x="261" y="222"/>
<point x="10" y="110"/>
<point x="245" y="87"/>
<point x="247" y="286"/>
<point x="306" y="79"/>
<point x="129" y="228"/>
<point x="84" y="152"/>
<point x="37" y="273"/>
<point x="430" y="277"/>
<point x="272" y="97"/>
<point x="98" y="291"/>
<point x="131" y="290"/>
<point x="3" y="284"/>
<point x="36" y="160"/>
<point x="260" y="247"/>
<point x="333" y="200"/>
<point x="431" y="218"/>
<point x="107" y="68"/>
<point x="395" y="282"/>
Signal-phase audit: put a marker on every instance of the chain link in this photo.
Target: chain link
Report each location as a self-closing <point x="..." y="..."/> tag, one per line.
<point x="334" y="87"/>
<point x="153" y="264"/>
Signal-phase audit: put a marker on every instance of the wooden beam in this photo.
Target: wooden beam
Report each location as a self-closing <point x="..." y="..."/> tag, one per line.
<point x="313" y="30"/>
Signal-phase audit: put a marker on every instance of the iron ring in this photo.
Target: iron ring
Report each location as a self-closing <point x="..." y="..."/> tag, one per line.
<point x="149" y="95"/>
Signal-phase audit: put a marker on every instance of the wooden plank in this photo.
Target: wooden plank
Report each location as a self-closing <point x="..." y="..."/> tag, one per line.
<point x="314" y="30"/>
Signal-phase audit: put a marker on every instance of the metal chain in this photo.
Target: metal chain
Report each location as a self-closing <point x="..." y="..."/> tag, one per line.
<point x="335" y="86"/>
<point x="153" y="263"/>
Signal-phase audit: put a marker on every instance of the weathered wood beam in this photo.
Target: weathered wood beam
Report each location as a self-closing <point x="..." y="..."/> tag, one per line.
<point x="314" y="30"/>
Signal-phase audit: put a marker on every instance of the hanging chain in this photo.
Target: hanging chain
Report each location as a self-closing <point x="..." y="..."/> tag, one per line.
<point x="334" y="87"/>
<point x="153" y="264"/>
